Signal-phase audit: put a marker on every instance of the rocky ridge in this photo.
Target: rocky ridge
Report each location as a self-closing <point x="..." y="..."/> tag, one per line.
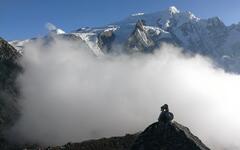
<point x="173" y="136"/>
<point x="157" y="136"/>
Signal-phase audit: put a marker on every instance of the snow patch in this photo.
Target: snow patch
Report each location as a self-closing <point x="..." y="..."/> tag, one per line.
<point x="91" y="40"/>
<point x="137" y="14"/>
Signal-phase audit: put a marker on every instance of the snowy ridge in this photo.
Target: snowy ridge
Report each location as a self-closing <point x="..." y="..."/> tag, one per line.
<point x="18" y="45"/>
<point x="208" y="37"/>
<point x="58" y="31"/>
<point x="91" y="40"/>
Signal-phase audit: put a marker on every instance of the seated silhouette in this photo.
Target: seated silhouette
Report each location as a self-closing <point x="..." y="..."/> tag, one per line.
<point x="165" y="116"/>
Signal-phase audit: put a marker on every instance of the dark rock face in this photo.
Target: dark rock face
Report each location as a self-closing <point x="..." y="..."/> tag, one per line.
<point x="139" y="40"/>
<point x="105" y="40"/>
<point x="9" y="70"/>
<point x="114" y="143"/>
<point x="173" y="136"/>
<point x="7" y="51"/>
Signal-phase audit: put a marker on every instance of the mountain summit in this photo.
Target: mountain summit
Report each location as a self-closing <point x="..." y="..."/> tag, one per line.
<point x="173" y="10"/>
<point x="53" y="29"/>
<point x="173" y="136"/>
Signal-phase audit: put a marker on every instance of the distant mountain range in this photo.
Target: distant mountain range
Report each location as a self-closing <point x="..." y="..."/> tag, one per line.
<point x="145" y="32"/>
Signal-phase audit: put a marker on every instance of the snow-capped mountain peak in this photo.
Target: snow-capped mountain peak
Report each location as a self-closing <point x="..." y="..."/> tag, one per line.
<point x="173" y="10"/>
<point x="58" y="31"/>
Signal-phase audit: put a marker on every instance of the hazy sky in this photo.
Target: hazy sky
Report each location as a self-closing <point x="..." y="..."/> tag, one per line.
<point x="20" y="19"/>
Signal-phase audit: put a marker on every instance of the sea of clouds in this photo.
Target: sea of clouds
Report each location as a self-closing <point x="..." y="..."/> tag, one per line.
<point x="71" y="95"/>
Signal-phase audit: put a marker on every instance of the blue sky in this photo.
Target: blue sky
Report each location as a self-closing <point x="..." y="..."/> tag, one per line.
<point x="21" y="19"/>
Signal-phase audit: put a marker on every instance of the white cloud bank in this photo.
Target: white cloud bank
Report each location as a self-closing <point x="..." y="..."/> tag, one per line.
<point x="71" y="95"/>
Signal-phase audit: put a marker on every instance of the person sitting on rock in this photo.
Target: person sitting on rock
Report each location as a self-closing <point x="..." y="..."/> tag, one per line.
<point x="165" y="116"/>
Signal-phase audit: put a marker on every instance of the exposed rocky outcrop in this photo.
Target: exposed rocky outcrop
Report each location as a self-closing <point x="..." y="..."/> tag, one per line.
<point x="139" y="40"/>
<point x="114" y="143"/>
<point x="167" y="135"/>
<point x="173" y="136"/>
<point x="7" y="51"/>
<point x="105" y="40"/>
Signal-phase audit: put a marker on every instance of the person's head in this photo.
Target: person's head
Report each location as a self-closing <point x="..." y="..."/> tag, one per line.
<point x="164" y="107"/>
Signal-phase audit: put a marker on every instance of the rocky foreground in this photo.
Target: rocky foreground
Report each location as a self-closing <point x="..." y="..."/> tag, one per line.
<point x="173" y="136"/>
<point x="158" y="136"/>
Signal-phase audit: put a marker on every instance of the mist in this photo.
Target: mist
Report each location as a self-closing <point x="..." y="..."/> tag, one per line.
<point x="70" y="95"/>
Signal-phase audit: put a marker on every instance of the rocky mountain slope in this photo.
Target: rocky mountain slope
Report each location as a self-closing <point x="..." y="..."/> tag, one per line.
<point x="9" y="92"/>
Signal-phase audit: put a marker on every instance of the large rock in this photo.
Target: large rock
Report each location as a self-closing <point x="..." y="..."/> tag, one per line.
<point x="172" y="136"/>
